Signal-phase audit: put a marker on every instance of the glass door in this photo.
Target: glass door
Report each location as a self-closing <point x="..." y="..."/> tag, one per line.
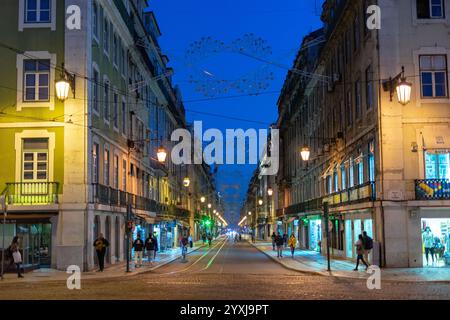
<point x="348" y="239"/>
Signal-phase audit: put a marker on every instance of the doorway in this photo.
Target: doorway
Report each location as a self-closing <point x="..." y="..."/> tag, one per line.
<point x="435" y="242"/>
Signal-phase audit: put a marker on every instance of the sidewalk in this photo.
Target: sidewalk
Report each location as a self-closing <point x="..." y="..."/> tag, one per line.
<point x="314" y="263"/>
<point x="111" y="271"/>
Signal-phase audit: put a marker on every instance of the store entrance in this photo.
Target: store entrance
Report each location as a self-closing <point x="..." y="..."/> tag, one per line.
<point x="35" y="241"/>
<point x="435" y="242"/>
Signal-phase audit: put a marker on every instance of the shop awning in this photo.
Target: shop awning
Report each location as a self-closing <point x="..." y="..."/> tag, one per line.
<point x="436" y="137"/>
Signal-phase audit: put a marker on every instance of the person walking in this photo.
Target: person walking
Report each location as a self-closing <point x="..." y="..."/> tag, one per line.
<point x="360" y="252"/>
<point x="273" y="236"/>
<point x="285" y="239"/>
<point x="191" y="243"/>
<point x="138" y="246"/>
<point x="428" y="243"/>
<point x="368" y="245"/>
<point x="279" y="242"/>
<point x="100" y="245"/>
<point x="210" y="239"/>
<point x="17" y="257"/>
<point x="183" y="244"/>
<point x="150" y="248"/>
<point x="155" y="241"/>
<point x="292" y="243"/>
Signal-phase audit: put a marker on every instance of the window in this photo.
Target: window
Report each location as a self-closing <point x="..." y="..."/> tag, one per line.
<point x="95" y="20"/>
<point x="343" y="177"/>
<point x="124" y="118"/>
<point x="116" y="172"/>
<point x="124" y="175"/>
<point x="358" y="98"/>
<point x="336" y="181"/>
<point x="349" y="109"/>
<point x="95" y="150"/>
<point x="95" y="90"/>
<point x="351" y="176"/>
<point x="37" y="11"/>
<point x="433" y="75"/>
<point x="361" y="170"/>
<point x="116" y="111"/>
<point x="106" y="101"/>
<point x="356" y="33"/>
<point x="437" y="164"/>
<point x="369" y="87"/>
<point x="35" y="160"/>
<point x="36" y="80"/>
<point x="115" y="51"/>
<point x="106" y="167"/>
<point x="371" y="161"/>
<point x="106" y="36"/>
<point x="430" y="9"/>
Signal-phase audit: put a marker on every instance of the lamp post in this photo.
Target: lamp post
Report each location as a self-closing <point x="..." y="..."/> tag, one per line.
<point x="401" y="86"/>
<point x="64" y="85"/>
<point x="325" y="213"/>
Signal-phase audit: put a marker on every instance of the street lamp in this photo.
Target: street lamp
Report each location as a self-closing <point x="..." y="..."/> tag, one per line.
<point x="305" y="153"/>
<point x="270" y="192"/>
<point x="260" y="202"/>
<point x="249" y="213"/>
<point x="186" y="182"/>
<point x="202" y="199"/>
<point x="401" y="86"/>
<point x="64" y="85"/>
<point x="209" y="205"/>
<point x="161" y="154"/>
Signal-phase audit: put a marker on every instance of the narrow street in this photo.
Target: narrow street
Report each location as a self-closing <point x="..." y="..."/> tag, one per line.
<point x="226" y="271"/>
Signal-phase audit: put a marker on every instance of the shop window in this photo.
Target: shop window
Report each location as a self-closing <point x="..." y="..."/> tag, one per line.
<point x="35" y="160"/>
<point x="437" y="165"/>
<point x="430" y="9"/>
<point x="371" y="161"/>
<point x="351" y="176"/>
<point x="433" y="76"/>
<point x="344" y="177"/>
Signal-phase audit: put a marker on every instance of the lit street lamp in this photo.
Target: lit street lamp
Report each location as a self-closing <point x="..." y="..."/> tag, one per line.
<point x="305" y="153"/>
<point x="64" y="85"/>
<point x="161" y="154"/>
<point x="186" y="182"/>
<point x="202" y="199"/>
<point x="270" y="192"/>
<point x="399" y="85"/>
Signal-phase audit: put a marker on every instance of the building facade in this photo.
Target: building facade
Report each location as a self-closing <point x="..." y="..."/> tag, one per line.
<point x="70" y="169"/>
<point x="380" y="165"/>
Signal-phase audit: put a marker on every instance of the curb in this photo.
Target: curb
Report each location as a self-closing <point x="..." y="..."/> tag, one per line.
<point x="326" y="274"/>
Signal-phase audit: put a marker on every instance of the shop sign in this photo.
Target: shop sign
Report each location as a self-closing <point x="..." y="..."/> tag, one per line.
<point x="337" y="198"/>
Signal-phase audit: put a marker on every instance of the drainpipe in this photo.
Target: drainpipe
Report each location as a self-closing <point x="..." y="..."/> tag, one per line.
<point x="380" y="138"/>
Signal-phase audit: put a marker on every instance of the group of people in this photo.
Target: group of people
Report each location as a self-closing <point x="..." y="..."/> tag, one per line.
<point x="281" y="241"/>
<point x="207" y="237"/>
<point x="150" y="245"/>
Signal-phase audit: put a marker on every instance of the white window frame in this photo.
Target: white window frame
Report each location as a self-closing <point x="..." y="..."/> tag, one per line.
<point x="96" y="69"/>
<point x="124" y="122"/>
<point x="38" y="55"/>
<point x="30" y="134"/>
<point x="96" y="35"/>
<point x="24" y="25"/>
<point x="106" y="36"/>
<point x="433" y="78"/>
<point x="106" y="166"/>
<point x="116" y="170"/>
<point x="95" y="162"/>
<point x="417" y="21"/>
<point x="37" y="74"/>
<point x="115" y="102"/>
<point x="35" y="162"/>
<point x="417" y="83"/>
<point x="124" y="170"/>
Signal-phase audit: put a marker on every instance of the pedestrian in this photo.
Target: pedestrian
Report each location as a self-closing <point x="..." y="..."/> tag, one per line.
<point x="428" y="243"/>
<point x="14" y="248"/>
<point x="273" y="236"/>
<point x="155" y="241"/>
<point x="191" y="243"/>
<point x="204" y="238"/>
<point x="150" y="248"/>
<point x="360" y="253"/>
<point x="210" y="239"/>
<point x="368" y="245"/>
<point x="240" y="237"/>
<point x="138" y="246"/>
<point x="100" y="245"/>
<point x="292" y="243"/>
<point x="285" y="240"/>
<point x="279" y="242"/>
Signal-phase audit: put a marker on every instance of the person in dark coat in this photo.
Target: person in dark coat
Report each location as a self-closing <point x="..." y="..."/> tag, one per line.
<point x="285" y="239"/>
<point x="138" y="246"/>
<point x="100" y="245"/>
<point x="279" y="242"/>
<point x="155" y="241"/>
<point x="150" y="248"/>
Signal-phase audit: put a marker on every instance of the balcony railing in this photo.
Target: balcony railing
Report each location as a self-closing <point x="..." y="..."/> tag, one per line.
<point x="32" y="193"/>
<point x="432" y="189"/>
<point x="113" y="197"/>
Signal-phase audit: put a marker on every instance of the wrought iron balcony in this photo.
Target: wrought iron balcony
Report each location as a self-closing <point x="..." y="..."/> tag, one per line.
<point x="32" y="193"/>
<point x="432" y="189"/>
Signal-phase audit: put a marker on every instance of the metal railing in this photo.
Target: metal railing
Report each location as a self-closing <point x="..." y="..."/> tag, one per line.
<point x="432" y="189"/>
<point x="32" y="193"/>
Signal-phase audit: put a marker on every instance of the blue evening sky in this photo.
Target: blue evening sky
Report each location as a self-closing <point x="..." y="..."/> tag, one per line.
<point x="280" y="23"/>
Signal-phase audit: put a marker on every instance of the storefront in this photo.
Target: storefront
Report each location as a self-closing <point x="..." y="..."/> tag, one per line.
<point x="165" y="233"/>
<point x="355" y="224"/>
<point x="315" y="233"/>
<point x="35" y="238"/>
<point x="435" y="242"/>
